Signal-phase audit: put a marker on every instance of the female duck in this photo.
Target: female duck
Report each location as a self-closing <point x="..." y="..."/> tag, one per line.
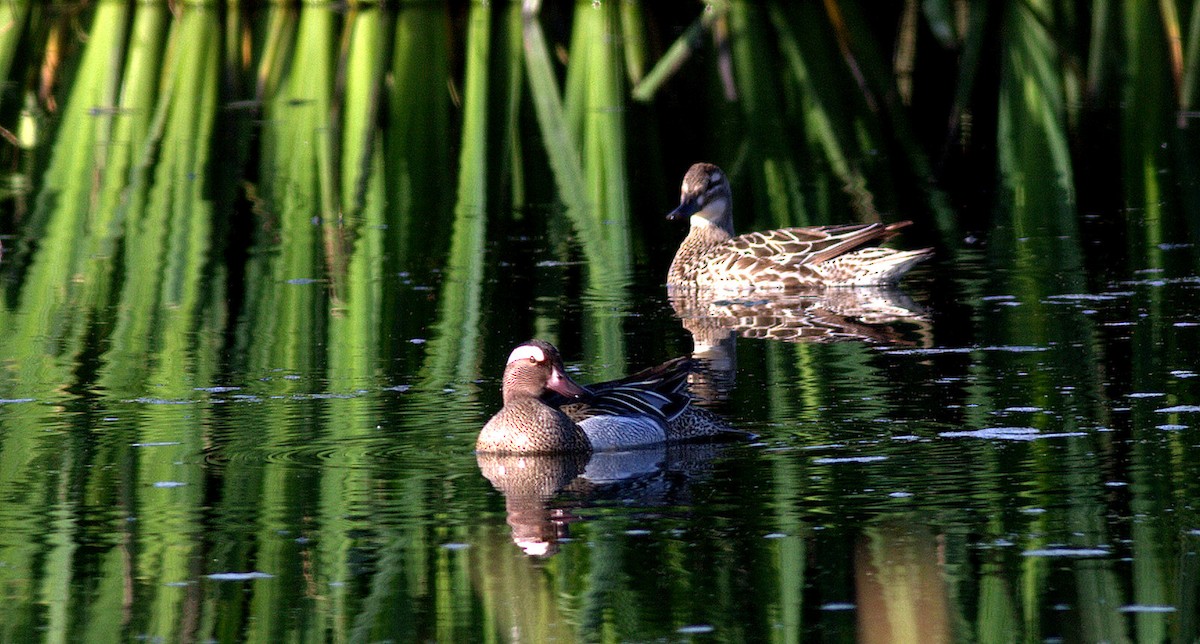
<point x="545" y="412"/>
<point x="787" y="259"/>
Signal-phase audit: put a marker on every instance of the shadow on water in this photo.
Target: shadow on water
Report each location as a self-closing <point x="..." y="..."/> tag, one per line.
<point x="263" y="263"/>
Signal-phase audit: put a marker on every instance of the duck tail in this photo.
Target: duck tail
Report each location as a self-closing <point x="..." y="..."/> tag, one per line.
<point x="886" y="266"/>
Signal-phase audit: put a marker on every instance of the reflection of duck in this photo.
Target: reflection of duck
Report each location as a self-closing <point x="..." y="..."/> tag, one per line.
<point x="876" y="315"/>
<point x="712" y="258"/>
<point x="830" y="315"/>
<point x="651" y="407"/>
<point x="528" y="482"/>
<point x="656" y="476"/>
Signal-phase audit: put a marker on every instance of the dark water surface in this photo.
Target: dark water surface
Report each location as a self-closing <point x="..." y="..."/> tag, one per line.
<point x="1033" y="473"/>
<point x="242" y="375"/>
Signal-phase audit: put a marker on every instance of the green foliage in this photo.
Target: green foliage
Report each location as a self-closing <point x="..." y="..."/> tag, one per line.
<point x="338" y="212"/>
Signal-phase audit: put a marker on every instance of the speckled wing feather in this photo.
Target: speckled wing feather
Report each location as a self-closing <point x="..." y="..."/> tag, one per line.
<point x="741" y="272"/>
<point x="790" y="247"/>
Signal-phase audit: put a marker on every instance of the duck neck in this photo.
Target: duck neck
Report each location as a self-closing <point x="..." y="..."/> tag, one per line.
<point x="707" y="232"/>
<point x="519" y="383"/>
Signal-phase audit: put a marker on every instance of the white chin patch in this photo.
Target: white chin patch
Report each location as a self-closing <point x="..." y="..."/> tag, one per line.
<point x="525" y="352"/>
<point x="712" y="212"/>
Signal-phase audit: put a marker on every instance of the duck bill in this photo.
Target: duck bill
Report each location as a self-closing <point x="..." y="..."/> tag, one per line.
<point x="686" y="209"/>
<point x="561" y="383"/>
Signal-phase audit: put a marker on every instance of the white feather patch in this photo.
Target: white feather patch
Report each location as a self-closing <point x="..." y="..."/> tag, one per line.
<point x="525" y="352"/>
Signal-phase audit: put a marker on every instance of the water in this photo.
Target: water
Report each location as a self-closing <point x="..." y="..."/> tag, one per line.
<point x="904" y="487"/>
<point x="243" y="368"/>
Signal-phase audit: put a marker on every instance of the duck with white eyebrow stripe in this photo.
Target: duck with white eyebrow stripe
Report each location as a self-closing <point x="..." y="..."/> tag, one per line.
<point x="712" y="258"/>
<point x="546" y="412"/>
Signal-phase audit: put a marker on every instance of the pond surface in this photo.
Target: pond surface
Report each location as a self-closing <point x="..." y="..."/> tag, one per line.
<point x="988" y="463"/>
<point x="238" y="402"/>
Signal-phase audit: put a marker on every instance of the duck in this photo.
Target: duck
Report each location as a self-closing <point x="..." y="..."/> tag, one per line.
<point x="713" y="258"/>
<point x="546" y="412"/>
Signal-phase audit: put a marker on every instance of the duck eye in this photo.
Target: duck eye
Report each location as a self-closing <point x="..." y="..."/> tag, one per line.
<point x="532" y="360"/>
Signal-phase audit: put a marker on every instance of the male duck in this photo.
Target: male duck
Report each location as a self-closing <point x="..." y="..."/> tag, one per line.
<point x="787" y="259"/>
<point x="546" y="412"/>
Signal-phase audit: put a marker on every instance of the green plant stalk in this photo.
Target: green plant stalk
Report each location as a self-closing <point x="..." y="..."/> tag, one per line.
<point x="1035" y="161"/>
<point x="44" y="331"/>
<point x="1099" y="586"/>
<point x="1099" y="48"/>
<point x="633" y="32"/>
<point x="122" y="185"/>
<point x="184" y="290"/>
<point x="12" y="28"/>
<point x="563" y="154"/>
<point x="677" y="54"/>
<point x="1173" y="43"/>
<point x="281" y="26"/>
<point x="364" y="69"/>
<point x="134" y="116"/>
<point x="598" y="60"/>
<point x="234" y="68"/>
<point x="876" y="78"/>
<point x="584" y="39"/>
<point x="775" y="175"/>
<point x="819" y="122"/>
<point x="354" y="330"/>
<point x="318" y="81"/>
<point x="968" y="67"/>
<point x="561" y="149"/>
<point x="453" y="354"/>
<point x="416" y="157"/>
<point x="138" y="135"/>
<point x="51" y="322"/>
<point x="790" y="556"/>
<point x="286" y="313"/>
<point x="1191" y="62"/>
<point x="1155" y="582"/>
<point x="292" y="152"/>
<point x="516" y="84"/>
<point x="604" y="141"/>
<point x="1143" y="130"/>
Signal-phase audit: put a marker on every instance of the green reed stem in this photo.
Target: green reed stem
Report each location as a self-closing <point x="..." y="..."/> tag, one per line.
<point x="453" y="355"/>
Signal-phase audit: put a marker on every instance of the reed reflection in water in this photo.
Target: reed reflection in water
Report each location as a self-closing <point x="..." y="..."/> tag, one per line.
<point x="263" y="263"/>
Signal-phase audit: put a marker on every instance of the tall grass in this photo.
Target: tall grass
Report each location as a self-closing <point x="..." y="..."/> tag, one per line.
<point x="353" y="147"/>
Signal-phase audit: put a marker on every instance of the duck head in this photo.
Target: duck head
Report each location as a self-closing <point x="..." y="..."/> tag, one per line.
<point x="534" y="367"/>
<point x="705" y="198"/>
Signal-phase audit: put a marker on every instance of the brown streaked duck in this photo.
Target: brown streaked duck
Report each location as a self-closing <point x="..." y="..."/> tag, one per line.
<point x="546" y="412"/>
<point x="786" y="259"/>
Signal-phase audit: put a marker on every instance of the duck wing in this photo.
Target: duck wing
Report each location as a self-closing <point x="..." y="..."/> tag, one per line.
<point x="791" y="247"/>
<point x="659" y="391"/>
<point x="625" y="401"/>
<point x="668" y="377"/>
